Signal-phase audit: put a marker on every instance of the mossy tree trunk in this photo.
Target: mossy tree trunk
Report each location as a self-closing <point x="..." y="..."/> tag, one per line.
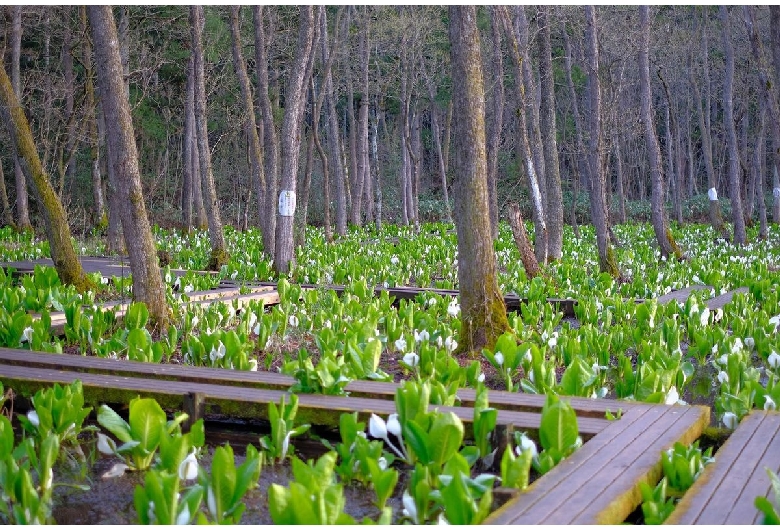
<point x="598" y="208"/>
<point x="147" y="279"/>
<point x="774" y="35"/>
<point x="740" y="236"/>
<point x="58" y="233"/>
<point x="295" y="97"/>
<point x="658" y="217"/>
<point x="219" y="255"/>
<point x="8" y="218"/>
<point x="495" y="117"/>
<point x="483" y="313"/>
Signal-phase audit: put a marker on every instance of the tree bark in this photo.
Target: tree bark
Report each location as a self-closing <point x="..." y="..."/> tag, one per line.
<point x="548" y="126"/>
<point x="620" y="179"/>
<point x="99" y="218"/>
<point x="740" y="237"/>
<point x="436" y="133"/>
<point x="219" y="255"/>
<point x="483" y="313"/>
<point x="774" y="35"/>
<point x="266" y="207"/>
<point x="58" y="232"/>
<point x="363" y="176"/>
<point x="22" y="201"/>
<point x="291" y="138"/>
<point x="522" y="242"/>
<point x="250" y="123"/>
<point x="148" y="285"/>
<point x="495" y="118"/>
<point x="663" y="235"/>
<point x="607" y="261"/>
<point x="525" y="151"/>
<point x="580" y="164"/>
<point x="8" y="218"/>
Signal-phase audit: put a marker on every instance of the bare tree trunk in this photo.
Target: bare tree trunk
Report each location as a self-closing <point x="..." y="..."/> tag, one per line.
<point x="67" y="66"/>
<point x="363" y="176"/>
<point x="187" y="143"/>
<point x="22" y="203"/>
<point x="522" y="242"/>
<point x="483" y="313"/>
<point x="537" y="201"/>
<point x="8" y="218"/>
<point x="620" y="178"/>
<point x="757" y="177"/>
<point x="607" y="261"/>
<point x="148" y="285"/>
<point x="662" y="233"/>
<point x="291" y="139"/>
<point x="580" y="165"/>
<point x="436" y="132"/>
<point x="99" y="218"/>
<point x="375" y="167"/>
<point x="548" y="126"/>
<point x="250" y="125"/>
<point x="740" y="237"/>
<point x="266" y="205"/>
<point x="495" y="118"/>
<point x="416" y="156"/>
<point x="219" y="255"/>
<point x="300" y="237"/>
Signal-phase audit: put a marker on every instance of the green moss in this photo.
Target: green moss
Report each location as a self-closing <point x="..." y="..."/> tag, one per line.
<point x="481" y="325"/>
<point x="609" y="264"/>
<point x="673" y="243"/>
<point x="219" y="257"/>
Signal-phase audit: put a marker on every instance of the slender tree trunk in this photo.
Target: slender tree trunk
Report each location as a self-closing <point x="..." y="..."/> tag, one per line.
<point x="757" y="177"/>
<point x="363" y="176"/>
<point x="70" y="89"/>
<point x="375" y="167"/>
<point x="300" y="238"/>
<point x="436" y="133"/>
<point x="526" y="154"/>
<point x="99" y="218"/>
<point x="580" y="165"/>
<point x="416" y="156"/>
<point x="660" y="226"/>
<point x="291" y="139"/>
<point x="548" y="126"/>
<point x="620" y="178"/>
<point x="266" y="205"/>
<point x="22" y="202"/>
<point x="250" y="125"/>
<point x="219" y="255"/>
<point x="187" y="143"/>
<point x="148" y="285"/>
<point x="495" y="118"/>
<point x="607" y="261"/>
<point x="740" y="237"/>
<point x="483" y="313"/>
<point x="8" y="218"/>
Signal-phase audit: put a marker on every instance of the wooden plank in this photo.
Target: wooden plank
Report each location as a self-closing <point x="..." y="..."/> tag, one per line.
<point x="719" y="301"/>
<point x="511" y="401"/>
<point x="572" y="488"/>
<point x="726" y="490"/>
<point x="239" y="401"/>
<point x="682" y="295"/>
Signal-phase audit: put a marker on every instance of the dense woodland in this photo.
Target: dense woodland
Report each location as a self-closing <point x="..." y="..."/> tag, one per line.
<point x="683" y="100"/>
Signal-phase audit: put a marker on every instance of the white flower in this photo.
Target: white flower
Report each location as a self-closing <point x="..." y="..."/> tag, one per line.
<point x="177" y="283"/>
<point x="704" y="318"/>
<point x="211" y="501"/>
<point x="188" y="288"/>
<point x="257" y="329"/>
<point x="382" y="462"/>
<point x="117" y="470"/>
<point x="410" y="508"/>
<point x="526" y="444"/>
<point x="394" y="260"/>
<point x="776" y="321"/>
<point x="723" y="377"/>
<point x="411" y="359"/>
<point x="737" y="346"/>
<point x="774" y="360"/>
<point x="442" y="519"/>
<point x="217" y="352"/>
<point x="293" y="320"/>
<point x="252" y="320"/>
<point x="184" y="515"/>
<point x="750" y="342"/>
<point x="104" y="281"/>
<point x="718" y="316"/>
<point x="234" y="275"/>
<point x="723" y="359"/>
<point x="188" y="469"/>
<point x="672" y="396"/>
<point x="450" y="344"/>
<point x="552" y="342"/>
<point x="377" y="427"/>
<point x="769" y="403"/>
<point x="327" y="324"/>
<point x="421" y="336"/>
<point x="393" y="425"/>
<point x="26" y="335"/>
<point x="481" y="377"/>
<point x="499" y="357"/>
<point x="33" y="417"/>
<point x="730" y="420"/>
<point x="252" y="365"/>
<point x="400" y="344"/>
<point x="105" y="444"/>
<point x="453" y="309"/>
<point x="431" y="302"/>
<point x="195" y="321"/>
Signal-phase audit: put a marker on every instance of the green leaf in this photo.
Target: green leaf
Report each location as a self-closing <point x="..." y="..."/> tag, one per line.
<point x="147" y="421"/>
<point x="418" y="441"/>
<point x="558" y="429"/>
<point x="445" y="437"/>
<point x="223" y="481"/>
<point x="114" y="423"/>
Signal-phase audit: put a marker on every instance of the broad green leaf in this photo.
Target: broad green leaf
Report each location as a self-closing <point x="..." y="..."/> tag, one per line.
<point x="445" y="437"/>
<point x="558" y="429"/>
<point x="147" y="421"/>
<point x="114" y="423"/>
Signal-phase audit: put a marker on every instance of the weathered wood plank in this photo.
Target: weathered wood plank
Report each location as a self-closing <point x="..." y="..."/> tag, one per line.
<point x="719" y="301"/>
<point x="681" y="295"/>
<point x="726" y="489"/>
<point x="512" y="401"/>
<point x="599" y="484"/>
<point x="242" y="402"/>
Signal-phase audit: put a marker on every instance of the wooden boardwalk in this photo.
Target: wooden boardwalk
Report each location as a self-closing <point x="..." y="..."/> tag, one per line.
<point x="727" y="488"/>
